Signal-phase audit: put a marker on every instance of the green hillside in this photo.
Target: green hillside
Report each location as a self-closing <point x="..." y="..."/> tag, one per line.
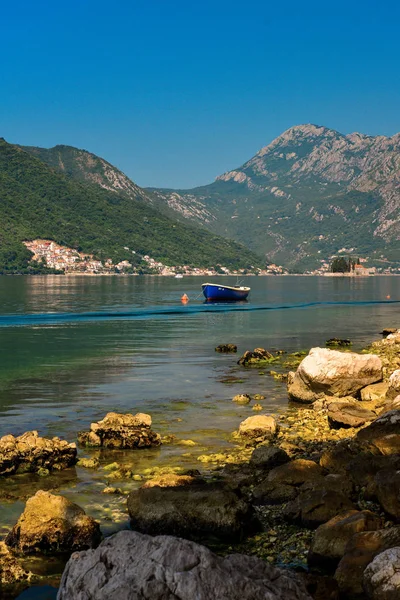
<point x="38" y="201"/>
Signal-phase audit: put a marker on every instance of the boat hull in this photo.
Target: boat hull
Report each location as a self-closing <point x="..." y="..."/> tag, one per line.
<point x="214" y="291"/>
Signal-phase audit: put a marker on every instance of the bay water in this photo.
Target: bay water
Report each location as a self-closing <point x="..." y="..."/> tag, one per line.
<point x="76" y="347"/>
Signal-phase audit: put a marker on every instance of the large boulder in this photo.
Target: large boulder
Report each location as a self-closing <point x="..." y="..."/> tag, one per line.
<point x="197" y="511"/>
<point x="360" y="551"/>
<point x="121" y="431"/>
<point x="381" y="579"/>
<point x="52" y="523"/>
<point x="140" y="567"/>
<point x="348" y="412"/>
<point x="394" y="385"/>
<point x="383" y="433"/>
<point x="31" y="453"/>
<point x="327" y="372"/>
<point x="331" y="538"/>
<point x="259" y="428"/>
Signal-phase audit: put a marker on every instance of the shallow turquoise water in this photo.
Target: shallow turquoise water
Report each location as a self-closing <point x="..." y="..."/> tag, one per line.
<point x="74" y="348"/>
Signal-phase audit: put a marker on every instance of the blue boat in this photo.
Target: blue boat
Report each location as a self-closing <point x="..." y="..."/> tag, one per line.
<point x="215" y="291"/>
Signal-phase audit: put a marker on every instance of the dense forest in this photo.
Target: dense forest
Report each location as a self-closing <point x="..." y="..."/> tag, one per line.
<point x="39" y="202"/>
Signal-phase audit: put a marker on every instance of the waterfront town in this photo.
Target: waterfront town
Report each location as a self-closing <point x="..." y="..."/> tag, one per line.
<point x="71" y="261"/>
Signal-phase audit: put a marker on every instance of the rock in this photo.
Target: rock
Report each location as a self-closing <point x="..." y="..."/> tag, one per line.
<point x="267" y="493"/>
<point x="257" y="407"/>
<point x="375" y="392"/>
<point x="348" y="412"/>
<point x="226" y="348"/>
<point x="259" y="356"/>
<point x="360" y="551"/>
<point x="194" y="511"/>
<point x="393" y="385"/>
<point x="388" y="330"/>
<point x="381" y="578"/>
<point x="337" y="342"/>
<point x="387" y="491"/>
<point x="268" y="457"/>
<point x="30" y="453"/>
<point x="170" y="480"/>
<point x="258" y="397"/>
<point x="336" y="458"/>
<point x="316" y="505"/>
<point x="362" y="470"/>
<point x="295" y="472"/>
<point x="241" y="398"/>
<point x="333" y="373"/>
<point x="140" y="567"/>
<point x="383" y="433"/>
<point x="52" y="523"/>
<point x="258" y="428"/>
<point x="121" y="431"/>
<point x="331" y="538"/>
<point x="88" y="463"/>
<point x="11" y="570"/>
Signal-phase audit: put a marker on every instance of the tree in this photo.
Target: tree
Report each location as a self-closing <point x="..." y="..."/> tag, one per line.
<point x="340" y="265"/>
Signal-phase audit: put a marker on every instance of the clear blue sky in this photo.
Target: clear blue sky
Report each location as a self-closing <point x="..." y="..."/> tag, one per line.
<point x="175" y="92"/>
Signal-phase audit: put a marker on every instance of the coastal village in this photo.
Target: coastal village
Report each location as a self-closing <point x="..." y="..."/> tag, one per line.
<point x="71" y="261"/>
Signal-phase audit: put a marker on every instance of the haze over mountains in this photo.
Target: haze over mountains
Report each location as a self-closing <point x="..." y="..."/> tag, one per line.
<point x="308" y="195"/>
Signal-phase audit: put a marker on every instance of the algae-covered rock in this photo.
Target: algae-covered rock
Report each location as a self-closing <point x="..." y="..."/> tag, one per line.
<point x="226" y="348"/>
<point x="257" y="357"/>
<point x="30" y="453"/>
<point x="121" y="431"/>
<point x="11" y="571"/>
<point x="258" y="428"/>
<point x="52" y="523"/>
<point x="242" y="398"/>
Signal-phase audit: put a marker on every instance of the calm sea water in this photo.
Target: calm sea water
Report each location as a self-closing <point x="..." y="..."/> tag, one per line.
<point x="74" y="348"/>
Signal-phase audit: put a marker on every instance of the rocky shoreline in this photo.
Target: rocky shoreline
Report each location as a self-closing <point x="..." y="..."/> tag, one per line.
<point x="310" y="497"/>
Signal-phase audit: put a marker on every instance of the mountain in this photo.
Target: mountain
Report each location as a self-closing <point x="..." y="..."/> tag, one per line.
<point x="309" y="194"/>
<point x="76" y="205"/>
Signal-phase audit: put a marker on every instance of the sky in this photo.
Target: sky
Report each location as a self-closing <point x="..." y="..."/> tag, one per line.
<point x="176" y="92"/>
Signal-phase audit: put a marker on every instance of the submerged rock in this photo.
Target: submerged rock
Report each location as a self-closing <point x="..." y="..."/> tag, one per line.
<point x="52" y="523"/>
<point x="131" y="565"/>
<point x="333" y="373"/>
<point x="337" y="342"/>
<point x="30" y="453"/>
<point x="258" y="356"/>
<point x="242" y="398"/>
<point x="226" y="348"/>
<point x="194" y="511"/>
<point x="121" y="431"/>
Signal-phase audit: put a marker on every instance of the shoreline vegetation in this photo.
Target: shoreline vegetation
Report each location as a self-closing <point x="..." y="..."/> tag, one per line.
<point x="309" y="495"/>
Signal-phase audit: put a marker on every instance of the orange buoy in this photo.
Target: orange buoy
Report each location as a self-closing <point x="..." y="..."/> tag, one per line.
<point x="184" y="299"/>
<point x="388" y="297"/>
